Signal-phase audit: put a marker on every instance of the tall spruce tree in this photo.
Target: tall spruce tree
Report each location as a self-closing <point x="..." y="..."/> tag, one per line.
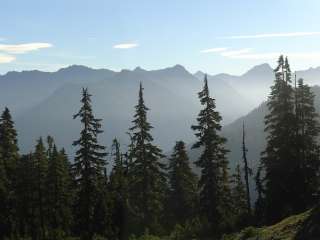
<point x="59" y="193"/>
<point x="307" y="149"/>
<point x="183" y="192"/>
<point x="279" y="158"/>
<point x="40" y="162"/>
<point x="9" y="152"/>
<point x="119" y="188"/>
<point x="148" y="182"/>
<point x="89" y="166"/>
<point x="213" y="162"/>
<point x="240" y="199"/>
<point x="247" y="169"/>
<point x="259" y="207"/>
<point x="4" y="209"/>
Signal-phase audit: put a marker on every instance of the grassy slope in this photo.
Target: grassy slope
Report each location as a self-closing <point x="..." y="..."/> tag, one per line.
<point x="284" y="230"/>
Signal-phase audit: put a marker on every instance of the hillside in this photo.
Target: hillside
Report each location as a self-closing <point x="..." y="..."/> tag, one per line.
<point x="304" y="226"/>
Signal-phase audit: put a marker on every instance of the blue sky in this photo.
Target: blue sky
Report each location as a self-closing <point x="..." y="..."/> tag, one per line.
<point x="208" y="35"/>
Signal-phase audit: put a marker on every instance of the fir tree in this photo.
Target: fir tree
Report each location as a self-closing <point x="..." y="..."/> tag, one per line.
<point x="247" y="170"/>
<point x="279" y="157"/>
<point x="40" y="162"/>
<point x="240" y="199"/>
<point x="9" y="152"/>
<point x="212" y="161"/>
<point x="119" y="187"/>
<point x="89" y="168"/>
<point x="183" y="186"/>
<point x="148" y="184"/>
<point x="307" y="148"/>
<point x="259" y="208"/>
<point x="59" y="192"/>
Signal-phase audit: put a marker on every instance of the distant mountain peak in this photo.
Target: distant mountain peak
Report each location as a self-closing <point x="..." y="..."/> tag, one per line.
<point x="139" y="69"/>
<point x="258" y="69"/>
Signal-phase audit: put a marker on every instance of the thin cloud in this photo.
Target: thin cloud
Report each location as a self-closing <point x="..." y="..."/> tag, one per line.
<point x="126" y="45"/>
<point x="273" y="35"/>
<point x="236" y="52"/>
<point x="214" y="50"/>
<point x="23" y="48"/>
<point x="6" y="58"/>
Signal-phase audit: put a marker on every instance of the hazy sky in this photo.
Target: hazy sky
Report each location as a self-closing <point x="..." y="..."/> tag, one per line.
<point x="212" y="36"/>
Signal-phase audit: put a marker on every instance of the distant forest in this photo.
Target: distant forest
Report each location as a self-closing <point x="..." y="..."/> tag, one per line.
<point x="145" y="195"/>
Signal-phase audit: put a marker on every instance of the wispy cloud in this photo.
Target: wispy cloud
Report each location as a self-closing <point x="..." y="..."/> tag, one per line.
<point x="2" y="39"/>
<point x="214" y="50"/>
<point x="236" y="52"/>
<point x="23" y="48"/>
<point x="6" y="58"/>
<point x="273" y="35"/>
<point x="126" y="45"/>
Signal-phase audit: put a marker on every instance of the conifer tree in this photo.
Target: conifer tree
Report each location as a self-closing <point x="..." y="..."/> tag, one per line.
<point x="247" y="170"/>
<point x="26" y="189"/>
<point x="259" y="208"/>
<point x="59" y="192"/>
<point x="40" y="162"/>
<point x="119" y="187"/>
<point x="8" y="143"/>
<point x="239" y="198"/>
<point x="279" y="158"/>
<point x="308" y="129"/>
<point x="4" y="211"/>
<point x="9" y="152"/>
<point x="148" y="184"/>
<point x="182" y="186"/>
<point x="213" y="162"/>
<point x="89" y="166"/>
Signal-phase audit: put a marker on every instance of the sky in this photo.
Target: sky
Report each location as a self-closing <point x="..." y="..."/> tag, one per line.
<point x="207" y="35"/>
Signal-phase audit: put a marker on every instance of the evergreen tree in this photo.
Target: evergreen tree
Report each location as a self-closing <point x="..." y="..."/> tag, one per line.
<point x="9" y="152"/>
<point x="8" y="143"/>
<point x="259" y="208"/>
<point x="59" y="192"/>
<point x="212" y="161"/>
<point x="240" y="199"/>
<point x="119" y="188"/>
<point x="307" y="148"/>
<point x="25" y="197"/>
<point x="40" y="162"/>
<point x="148" y="182"/>
<point x="89" y="165"/>
<point x="247" y="170"/>
<point x="4" y="211"/>
<point x="279" y="157"/>
<point x="183" y="186"/>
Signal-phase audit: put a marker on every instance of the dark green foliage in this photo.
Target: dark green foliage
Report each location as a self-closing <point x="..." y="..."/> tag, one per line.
<point x="259" y="208"/>
<point x="291" y="159"/>
<point x="148" y="181"/>
<point x="247" y="170"/>
<point x="89" y="166"/>
<point x="119" y="189"/>
<point x="8" y="156"/>
<point x="214" y="189"/>
<point x="307" y="148"/>
<point x="279" y="158"/>
<point x="239" y="195"/>
<point x="59" y="193"/>
<point x="183" y="195"/>
<point x="40" y="197"/>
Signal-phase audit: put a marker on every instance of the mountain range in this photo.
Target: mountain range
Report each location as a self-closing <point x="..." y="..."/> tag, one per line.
<point x="43" y="103"/>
